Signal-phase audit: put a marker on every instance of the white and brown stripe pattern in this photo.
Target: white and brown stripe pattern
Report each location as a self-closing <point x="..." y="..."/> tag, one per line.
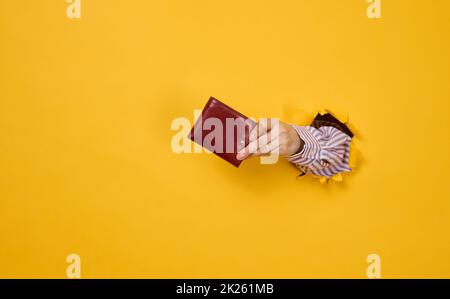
<point x="326" y="151"/>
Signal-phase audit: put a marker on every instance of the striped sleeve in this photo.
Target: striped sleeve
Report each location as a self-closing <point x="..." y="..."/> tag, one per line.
<point x="326" y="151"/>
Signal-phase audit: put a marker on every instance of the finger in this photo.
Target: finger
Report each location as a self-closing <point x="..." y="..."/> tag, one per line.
<point x="261" y="146"/>
<point x="252" y="147"/>
<point x="260" y="136"/>
<point x="257" y="131"/>
<point x="253" y="134"/>
<point x="262" y="127"/>
<point x="244" y="153"/>
<point x="269" y="148"/>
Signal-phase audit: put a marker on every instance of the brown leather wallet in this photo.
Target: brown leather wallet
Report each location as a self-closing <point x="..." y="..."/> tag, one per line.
<point x="222" y="130"/>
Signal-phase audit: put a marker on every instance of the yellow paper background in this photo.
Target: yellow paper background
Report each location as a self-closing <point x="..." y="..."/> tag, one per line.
<point x="86" y="165"/>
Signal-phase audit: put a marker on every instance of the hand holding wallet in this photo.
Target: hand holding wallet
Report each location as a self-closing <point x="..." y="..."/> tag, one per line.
<point x="222" y="130"/>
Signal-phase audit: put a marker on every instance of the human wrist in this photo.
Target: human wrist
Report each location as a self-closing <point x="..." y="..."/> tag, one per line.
<point x="296" y="143"/>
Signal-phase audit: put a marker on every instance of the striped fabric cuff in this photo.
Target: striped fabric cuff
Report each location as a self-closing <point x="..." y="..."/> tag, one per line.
<point x="311" y="147"/>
